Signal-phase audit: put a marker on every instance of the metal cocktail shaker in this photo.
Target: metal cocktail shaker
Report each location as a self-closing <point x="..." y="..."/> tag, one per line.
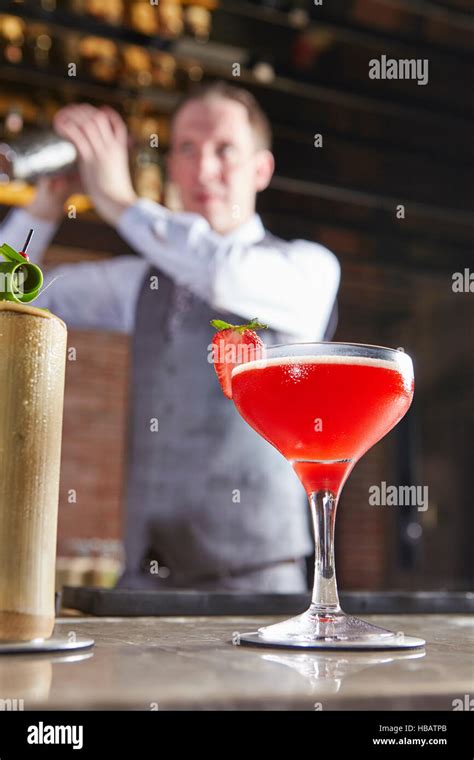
<point x="34" y="155"/>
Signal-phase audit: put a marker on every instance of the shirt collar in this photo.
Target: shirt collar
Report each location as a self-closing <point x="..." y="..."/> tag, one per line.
<point x="251" y="231"/>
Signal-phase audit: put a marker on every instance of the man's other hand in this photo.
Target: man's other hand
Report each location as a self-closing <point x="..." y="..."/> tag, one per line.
<point x="101" y="140"/>
<point x="51" y="195"/>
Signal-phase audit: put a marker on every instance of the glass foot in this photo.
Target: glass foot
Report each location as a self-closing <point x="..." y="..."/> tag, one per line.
<point x="331" y="631"/>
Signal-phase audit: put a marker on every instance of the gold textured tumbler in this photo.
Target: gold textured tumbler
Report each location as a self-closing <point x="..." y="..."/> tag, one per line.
<point x="32" y="368"/>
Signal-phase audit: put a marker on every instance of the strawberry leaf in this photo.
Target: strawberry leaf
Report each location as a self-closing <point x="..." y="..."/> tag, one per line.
<point x="219" y="324"/>
<point x="254" y="324"/>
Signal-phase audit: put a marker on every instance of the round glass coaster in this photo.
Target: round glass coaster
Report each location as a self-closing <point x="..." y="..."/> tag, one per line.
<point x="408" y="642"/>
<point x="53" y="644"/>
<point x="333" y="631"/>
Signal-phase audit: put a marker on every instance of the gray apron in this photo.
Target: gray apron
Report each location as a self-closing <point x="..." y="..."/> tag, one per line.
<point x="208" y="499"/>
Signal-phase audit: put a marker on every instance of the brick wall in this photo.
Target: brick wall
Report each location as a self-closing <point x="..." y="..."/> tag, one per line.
<point x="95" y="414"/>
<point x="93" y="438"/>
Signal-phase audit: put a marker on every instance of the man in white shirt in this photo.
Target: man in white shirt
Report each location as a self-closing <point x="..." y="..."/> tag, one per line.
<point x="214" y="259"/>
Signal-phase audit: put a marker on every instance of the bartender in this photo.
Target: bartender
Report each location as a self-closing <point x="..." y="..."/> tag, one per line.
<point x="210" y="505"/>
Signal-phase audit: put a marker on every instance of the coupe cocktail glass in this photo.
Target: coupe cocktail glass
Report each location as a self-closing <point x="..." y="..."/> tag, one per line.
<point x="323" y="405"/>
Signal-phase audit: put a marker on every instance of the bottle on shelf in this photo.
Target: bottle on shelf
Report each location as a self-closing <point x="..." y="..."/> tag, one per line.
<point x="142" y="17"/>
<point x="39" y="46"/>
<point x="19" y="112"/>
<point x="12" y="38"/>
<point x="136" y="66"/>
<point x="150" y="133"/>
<point x="147" y="175"/>
<point x="163" y="70"/>
<point x="99" y="59"/>
<point x="198" y="22"/>
<point x="13" y="122"/>
<point x="171" y="19"/>
<point x="106" y="11"/>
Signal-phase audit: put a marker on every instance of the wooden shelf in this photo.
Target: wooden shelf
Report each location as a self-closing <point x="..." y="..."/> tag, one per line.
<point x="341" y="25"/>
<point x="86" y="87"/>
<point x="69" y="21"/>
<point x="20" y="194"/>
<point x="381" y="146"/>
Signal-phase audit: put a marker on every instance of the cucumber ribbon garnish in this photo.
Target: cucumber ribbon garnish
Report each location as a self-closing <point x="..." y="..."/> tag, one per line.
<point x="20" y="280"/>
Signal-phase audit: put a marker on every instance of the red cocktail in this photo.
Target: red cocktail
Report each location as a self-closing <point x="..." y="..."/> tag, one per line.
<point x="322" y="410"/>
<point x="323" y="405"/>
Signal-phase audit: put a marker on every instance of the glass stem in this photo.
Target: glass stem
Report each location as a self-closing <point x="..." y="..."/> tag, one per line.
<point x="323" y="511"/>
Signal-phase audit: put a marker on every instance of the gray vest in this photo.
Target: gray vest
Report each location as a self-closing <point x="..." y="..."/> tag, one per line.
<point x="207" y="496"/>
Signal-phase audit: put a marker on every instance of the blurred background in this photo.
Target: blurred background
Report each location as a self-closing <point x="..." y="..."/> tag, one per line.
<point x="384" y="143"/>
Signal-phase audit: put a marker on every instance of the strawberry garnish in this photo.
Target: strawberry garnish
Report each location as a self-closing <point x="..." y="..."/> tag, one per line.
<point x="232" y="345"/>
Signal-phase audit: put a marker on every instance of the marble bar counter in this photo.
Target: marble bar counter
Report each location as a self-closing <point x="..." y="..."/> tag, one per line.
<point x="162" y="663"/>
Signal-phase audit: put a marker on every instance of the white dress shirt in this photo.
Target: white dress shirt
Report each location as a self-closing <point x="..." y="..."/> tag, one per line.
<point x="291" y="286"/>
